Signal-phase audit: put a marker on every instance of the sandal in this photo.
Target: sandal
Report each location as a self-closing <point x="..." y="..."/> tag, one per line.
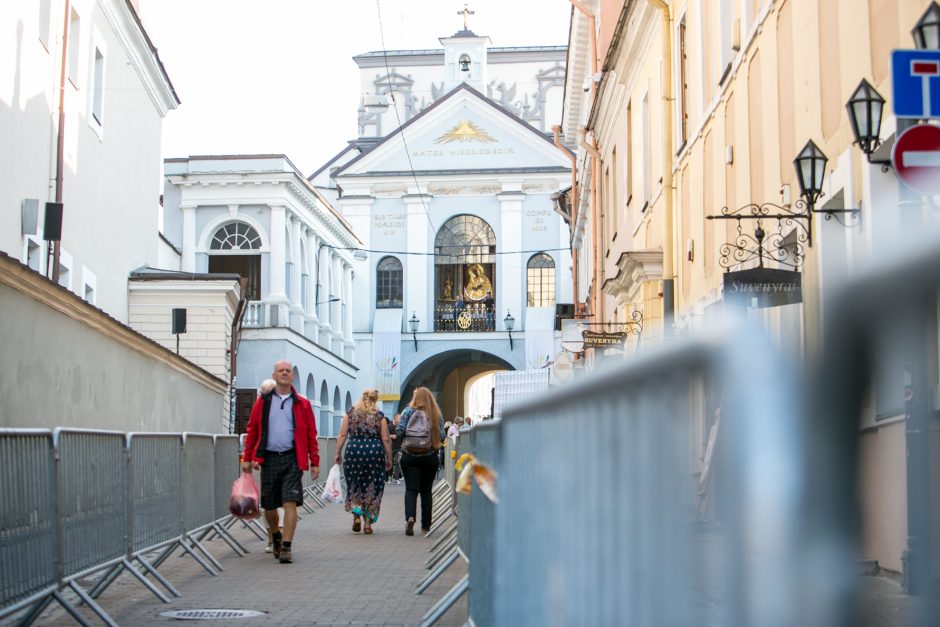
<point x="367" y="529"/>
<point x="356" y="524"/>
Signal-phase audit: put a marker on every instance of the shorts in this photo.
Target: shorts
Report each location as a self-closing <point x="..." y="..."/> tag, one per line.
<point x="281" y="480"/>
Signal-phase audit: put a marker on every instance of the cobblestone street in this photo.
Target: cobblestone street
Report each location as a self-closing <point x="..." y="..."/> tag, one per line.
<point x="338" y="578"/>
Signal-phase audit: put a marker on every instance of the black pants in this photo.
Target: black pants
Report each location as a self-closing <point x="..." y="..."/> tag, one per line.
<point x="419" y="471"/>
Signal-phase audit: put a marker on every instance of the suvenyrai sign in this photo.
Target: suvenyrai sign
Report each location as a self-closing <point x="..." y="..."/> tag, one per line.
<point x="603" y="339"/>
<point x="763" y="287"/>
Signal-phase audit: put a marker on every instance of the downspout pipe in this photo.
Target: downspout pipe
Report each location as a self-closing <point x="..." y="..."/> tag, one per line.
<point x="591" y="149"/>
<point x="574" y="208"/>
<point x="60" y="132"/>
<point x="669" y="268"/>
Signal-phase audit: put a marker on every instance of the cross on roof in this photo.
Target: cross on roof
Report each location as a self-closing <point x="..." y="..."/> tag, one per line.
<point x="465" y="13"/>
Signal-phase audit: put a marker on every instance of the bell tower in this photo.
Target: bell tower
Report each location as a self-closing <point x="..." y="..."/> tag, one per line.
<point x="465" y="56"/>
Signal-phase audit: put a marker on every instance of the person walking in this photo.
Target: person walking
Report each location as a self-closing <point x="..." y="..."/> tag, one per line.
<point x="417" y="464"/>
<point x="368" y="457"/>
<point x="396" y="450"/>
<point x="281" y="440"/>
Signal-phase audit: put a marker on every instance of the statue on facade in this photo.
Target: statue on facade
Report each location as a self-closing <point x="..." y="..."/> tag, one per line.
<point x="478" y="284"/>
<point x="447" y="292"/>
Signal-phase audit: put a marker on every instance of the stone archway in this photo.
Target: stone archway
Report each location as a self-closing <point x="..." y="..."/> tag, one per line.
<point x="447" y="374"/>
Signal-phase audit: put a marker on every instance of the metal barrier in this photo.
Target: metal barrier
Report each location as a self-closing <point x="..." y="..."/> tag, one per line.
<point x="198" y="475"/>
<point x="480" y="550"/>
<point x="156" y="499"/>
<point x="27" y="519"/>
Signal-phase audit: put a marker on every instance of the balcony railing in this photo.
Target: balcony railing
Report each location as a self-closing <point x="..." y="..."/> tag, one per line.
<point x="470" y="317"/>
<point x="254" y="315"/>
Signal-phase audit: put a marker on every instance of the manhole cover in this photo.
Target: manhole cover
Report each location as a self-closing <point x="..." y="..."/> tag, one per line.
<point x="210" y="614"/>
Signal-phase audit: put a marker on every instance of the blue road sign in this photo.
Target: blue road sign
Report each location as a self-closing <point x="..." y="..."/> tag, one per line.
<point x="916" y="78"/>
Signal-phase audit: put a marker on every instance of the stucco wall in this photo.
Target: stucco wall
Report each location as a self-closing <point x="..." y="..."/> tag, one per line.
<point x="883" y="494"/>
<point x="64" y="363"/>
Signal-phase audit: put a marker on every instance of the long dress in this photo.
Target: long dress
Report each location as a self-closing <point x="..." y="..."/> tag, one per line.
<point x="364" y="464"/>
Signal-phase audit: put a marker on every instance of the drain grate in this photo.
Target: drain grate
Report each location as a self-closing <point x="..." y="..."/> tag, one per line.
<point x="210" y="614"/>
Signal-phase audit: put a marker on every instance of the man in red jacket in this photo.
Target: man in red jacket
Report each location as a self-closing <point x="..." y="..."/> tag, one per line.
<point x="281" y="438"/>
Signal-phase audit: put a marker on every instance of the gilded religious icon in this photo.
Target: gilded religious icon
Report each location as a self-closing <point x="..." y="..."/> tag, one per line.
<point x="478" y="284"/>
<point x="447" y="293"/>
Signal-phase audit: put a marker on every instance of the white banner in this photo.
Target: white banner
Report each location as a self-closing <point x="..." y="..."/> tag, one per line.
<point x="539" y="337"/>
<point x="386" y="353"/>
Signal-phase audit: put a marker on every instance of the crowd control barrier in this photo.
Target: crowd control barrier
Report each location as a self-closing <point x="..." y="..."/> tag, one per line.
<point x="88" y="504"/>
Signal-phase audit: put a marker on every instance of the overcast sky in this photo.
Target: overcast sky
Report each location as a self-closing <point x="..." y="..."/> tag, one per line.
<point x="277" y="76"/>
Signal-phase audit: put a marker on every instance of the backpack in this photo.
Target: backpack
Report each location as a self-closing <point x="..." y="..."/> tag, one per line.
<point x="417" y="434"/>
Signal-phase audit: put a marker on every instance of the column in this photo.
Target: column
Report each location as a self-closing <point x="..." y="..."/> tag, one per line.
<point x="348" y="344"/>
<point x="419" y="282"/>
<point x="296" y="301"/>
<point x="510" y="268"/>
<point x="277" y="297"/>
<point x="323" y="295"/>
<point x="336" y="307"/>
<point x="311" y="322"/>
<point x="188" y="261"/>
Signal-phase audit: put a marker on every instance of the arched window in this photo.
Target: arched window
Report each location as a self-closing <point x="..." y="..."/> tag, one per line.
<point x="465" y="275"/>
<point x="540" y="279"/>
<point x="389" y="280"/>
<point x="235" y="236"/>
<point x="236" y="248"/>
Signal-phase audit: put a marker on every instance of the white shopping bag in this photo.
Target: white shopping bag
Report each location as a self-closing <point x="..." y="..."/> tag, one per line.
<point x="333" y="491"/>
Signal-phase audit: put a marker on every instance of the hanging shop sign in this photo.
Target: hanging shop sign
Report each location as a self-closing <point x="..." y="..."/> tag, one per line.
<point x="603" y="339"/>
<point x="763" y="287"/>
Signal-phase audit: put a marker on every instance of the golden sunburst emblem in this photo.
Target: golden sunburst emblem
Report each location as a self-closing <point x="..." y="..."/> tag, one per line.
<point x="465" y="131"/>
<point x="464" y="320"/>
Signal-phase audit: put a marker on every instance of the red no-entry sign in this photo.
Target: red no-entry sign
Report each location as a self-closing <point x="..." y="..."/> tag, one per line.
<point x="916" y="157"/>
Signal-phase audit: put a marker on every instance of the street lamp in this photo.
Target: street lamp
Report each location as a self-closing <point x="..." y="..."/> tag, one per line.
<point x="926" y="32"/>
<point x="865" y="109"/>
<point x="413" y="323"/>
<point x="510" y="322"/>
<point x="810" y="167"/>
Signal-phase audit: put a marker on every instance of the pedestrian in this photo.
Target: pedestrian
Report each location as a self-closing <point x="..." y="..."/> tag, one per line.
<point x="368" y="456"/>
<point x="396" y="450"/>
<point x="454" y="430"/>
<point x="266" y="386"/>
<point x="281" y="440"/>
<point x="420" y="467"/>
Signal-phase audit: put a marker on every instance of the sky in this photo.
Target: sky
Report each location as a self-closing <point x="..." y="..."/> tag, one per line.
<point x="277" y="76"/>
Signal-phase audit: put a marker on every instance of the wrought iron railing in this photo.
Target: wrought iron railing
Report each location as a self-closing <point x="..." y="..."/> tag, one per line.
<point x="469" y="317"/>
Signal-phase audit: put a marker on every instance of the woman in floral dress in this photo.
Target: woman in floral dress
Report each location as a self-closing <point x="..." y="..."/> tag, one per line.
<point x="367" y="458"/>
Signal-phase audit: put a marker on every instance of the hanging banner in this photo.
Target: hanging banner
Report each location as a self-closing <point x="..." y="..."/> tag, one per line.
<point x="386" y="353"/>
<point x="539" y="337"/>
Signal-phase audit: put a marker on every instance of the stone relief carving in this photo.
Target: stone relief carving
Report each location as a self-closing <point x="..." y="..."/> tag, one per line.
<point x="403" y="87"/>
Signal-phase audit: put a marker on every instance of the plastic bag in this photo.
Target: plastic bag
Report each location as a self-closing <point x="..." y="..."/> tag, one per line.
<point x="245" y="500"/>
<point x="333" y="491"/>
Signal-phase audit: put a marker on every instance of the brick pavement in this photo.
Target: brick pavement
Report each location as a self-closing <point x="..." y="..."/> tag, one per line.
<point x="338" y="578"/>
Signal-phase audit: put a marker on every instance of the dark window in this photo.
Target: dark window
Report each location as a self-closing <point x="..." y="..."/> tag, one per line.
<point x="540" y="276"/>
<point x="388" y="284"/>
<point x="235" y="236"/>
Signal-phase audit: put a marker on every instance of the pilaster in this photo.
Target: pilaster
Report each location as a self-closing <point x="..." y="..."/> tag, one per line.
<point x="510" y="267"/>
<point x="297" y="270"/>
<point x="188" y="260"/>
<point x="418" y="277"/>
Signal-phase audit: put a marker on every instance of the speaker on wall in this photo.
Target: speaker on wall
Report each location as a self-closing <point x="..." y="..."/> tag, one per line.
<point x="52" y="229"/>
<point x="179" y="321"/>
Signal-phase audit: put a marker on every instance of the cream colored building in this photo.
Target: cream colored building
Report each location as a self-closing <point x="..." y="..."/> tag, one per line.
<point x="696" y="108"/>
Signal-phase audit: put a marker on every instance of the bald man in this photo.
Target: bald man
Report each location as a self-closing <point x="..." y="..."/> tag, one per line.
<point x="282" y="442"/>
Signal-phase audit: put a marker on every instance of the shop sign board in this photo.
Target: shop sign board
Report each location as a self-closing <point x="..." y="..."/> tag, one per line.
<point x="603" y="339"/>
<point x="763" y="287"/>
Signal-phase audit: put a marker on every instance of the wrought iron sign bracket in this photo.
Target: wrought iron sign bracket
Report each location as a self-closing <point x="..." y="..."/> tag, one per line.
<point x="634" y="326"/>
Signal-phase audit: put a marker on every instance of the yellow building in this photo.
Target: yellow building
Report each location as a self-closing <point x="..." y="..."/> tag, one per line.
<point x="683" y="109"/>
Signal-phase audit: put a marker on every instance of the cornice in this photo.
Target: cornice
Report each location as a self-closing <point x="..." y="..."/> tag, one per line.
<point x="29" y="283"/>
<point x="635" y="267"/>
<point x="139" y="50"/>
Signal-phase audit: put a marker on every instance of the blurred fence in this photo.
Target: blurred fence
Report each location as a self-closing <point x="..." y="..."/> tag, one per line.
<point x="610" y="488"/>
<point x="93" y="504"/>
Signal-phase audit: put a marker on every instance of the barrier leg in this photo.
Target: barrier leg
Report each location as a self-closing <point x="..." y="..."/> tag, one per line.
<point x="156" y="575"/>
<point x="440" y="608"/>
<point x="445" y="536"/>
<point x="434" y="559"/>
<point x="91" y="604"/>
<point x="165" y="554"/>
<point x="437" y="525"/>
<point x="223" y="533"/>
<point x="156" y="591"/>
<point x="205" y="552"/>
<point x="106" y="580"/>
<point x="258" y="530"/>
<point x="40" y="606"/>
<point x="198" y="559"/>
<point x="437" y="572"/>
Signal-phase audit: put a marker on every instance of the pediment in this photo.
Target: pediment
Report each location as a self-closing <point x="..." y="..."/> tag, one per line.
<point x="462" y="132"/>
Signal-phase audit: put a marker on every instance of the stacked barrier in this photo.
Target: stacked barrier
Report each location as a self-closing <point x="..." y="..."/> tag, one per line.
<point x="91" y="504"/>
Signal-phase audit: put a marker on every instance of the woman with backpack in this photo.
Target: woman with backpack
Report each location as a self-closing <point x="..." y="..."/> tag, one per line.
<point x="421" y="438"/>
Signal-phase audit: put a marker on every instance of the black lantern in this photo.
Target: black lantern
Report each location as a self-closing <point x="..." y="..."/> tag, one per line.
<point x="927" y="31"/>
<point x="413" y="323"/>
<point x="865" y="108"/>
<point x="810" y="167"/>
<point x="464" y="63"/>
<point x="510" y="323"/>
